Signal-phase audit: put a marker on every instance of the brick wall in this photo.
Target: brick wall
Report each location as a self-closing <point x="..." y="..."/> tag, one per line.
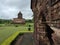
<point x="46" y="8"/>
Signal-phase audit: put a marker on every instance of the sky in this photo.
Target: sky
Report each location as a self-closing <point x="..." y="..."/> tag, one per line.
<point x="10" y="8"/>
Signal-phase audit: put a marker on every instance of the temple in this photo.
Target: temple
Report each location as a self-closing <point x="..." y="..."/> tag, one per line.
<point x="46" y="12"/>
<point x="19" y="19"/>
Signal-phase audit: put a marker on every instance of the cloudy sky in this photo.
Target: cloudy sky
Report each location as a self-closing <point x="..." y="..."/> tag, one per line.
<point x="10" y="8"/>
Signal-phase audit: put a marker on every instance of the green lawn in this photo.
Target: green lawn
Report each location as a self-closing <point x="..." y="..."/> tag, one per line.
<point x="8" y="33"/>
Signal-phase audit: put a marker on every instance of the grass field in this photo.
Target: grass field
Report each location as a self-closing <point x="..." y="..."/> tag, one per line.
<point x="10" y="31"/>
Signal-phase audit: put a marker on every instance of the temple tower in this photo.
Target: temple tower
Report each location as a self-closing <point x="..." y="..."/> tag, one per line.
<point x="20" y="15"/>
<point x="19" y="19"/>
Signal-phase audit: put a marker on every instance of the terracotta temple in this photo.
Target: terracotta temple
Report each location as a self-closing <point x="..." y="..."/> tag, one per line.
<point x="19" y="19"/>
<point x="45" y="12"/>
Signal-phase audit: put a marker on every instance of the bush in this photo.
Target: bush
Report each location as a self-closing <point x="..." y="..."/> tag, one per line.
<point x="16" y="25"/>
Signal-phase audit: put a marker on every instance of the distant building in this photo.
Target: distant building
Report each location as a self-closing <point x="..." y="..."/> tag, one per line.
<point x="19" y="19"/>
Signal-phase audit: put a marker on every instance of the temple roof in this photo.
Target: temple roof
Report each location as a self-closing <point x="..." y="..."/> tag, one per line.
<point x="19" y="13"/>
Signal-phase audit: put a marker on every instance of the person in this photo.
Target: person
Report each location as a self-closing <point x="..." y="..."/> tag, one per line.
<point x="29" y="28"/>
<point x="49" y="33"/>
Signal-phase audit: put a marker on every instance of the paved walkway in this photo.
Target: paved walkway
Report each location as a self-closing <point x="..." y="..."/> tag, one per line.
<point x="27" y="39"/>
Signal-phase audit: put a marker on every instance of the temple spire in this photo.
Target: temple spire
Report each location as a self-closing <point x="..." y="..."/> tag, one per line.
<point x="20" y="15"/>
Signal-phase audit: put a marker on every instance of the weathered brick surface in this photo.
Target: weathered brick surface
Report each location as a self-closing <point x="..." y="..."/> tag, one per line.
<point x="51" y="12"/>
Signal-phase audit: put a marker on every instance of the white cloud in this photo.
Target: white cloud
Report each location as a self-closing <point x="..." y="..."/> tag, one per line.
<point x="10" y="8"/>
